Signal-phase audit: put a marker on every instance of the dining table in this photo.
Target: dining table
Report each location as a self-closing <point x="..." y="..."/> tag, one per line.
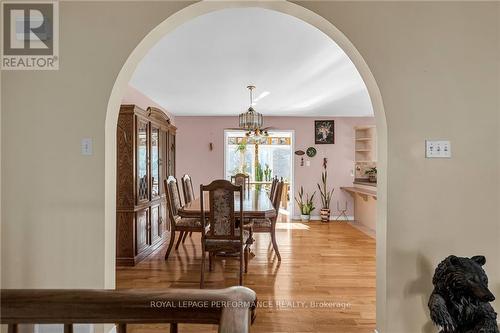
<point x="256" y="205"/>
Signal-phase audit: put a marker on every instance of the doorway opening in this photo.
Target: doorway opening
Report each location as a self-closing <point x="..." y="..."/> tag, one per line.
<point x="205" y="7"/>
<point x="262" y="158"/>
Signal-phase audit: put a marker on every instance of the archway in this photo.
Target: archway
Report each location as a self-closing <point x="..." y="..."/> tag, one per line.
<point x="205" y="7"/>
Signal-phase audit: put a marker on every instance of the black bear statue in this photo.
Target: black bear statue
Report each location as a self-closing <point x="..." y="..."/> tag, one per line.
<point x="460" y="301"/>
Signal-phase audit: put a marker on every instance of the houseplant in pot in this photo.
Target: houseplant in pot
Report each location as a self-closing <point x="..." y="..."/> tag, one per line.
<point x="326" y="197"/>
<point x="372" y="175"/>
<point x="306" y="204"/>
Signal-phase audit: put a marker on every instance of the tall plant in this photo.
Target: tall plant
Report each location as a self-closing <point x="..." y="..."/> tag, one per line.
<point x="306" y="206"/>
<point x="267" y="173"/>
<point x="259" y="175"/>
<point x="326" y="195"/>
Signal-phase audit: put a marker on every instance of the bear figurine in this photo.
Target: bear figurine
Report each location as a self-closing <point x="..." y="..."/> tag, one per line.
<point x="460" y="301"/>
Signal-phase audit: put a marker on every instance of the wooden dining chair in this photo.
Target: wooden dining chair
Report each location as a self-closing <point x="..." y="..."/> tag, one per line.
<point x="222" y="234"/>
<point x="177" y="223"/>
<point x="241" y="179"/>
<point x="187" y="188"/>
<point x="188" y="191"/>
<point x="268" y="225"/>
<point x="273" y="187"/>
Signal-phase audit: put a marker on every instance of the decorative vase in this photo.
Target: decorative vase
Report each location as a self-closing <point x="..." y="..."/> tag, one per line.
<point x="305" y="218"/>
<point x="325" y="215"/>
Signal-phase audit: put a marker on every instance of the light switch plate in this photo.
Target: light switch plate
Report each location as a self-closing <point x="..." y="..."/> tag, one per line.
<point x="437" y="149"/>
<point x="86" y="146"/>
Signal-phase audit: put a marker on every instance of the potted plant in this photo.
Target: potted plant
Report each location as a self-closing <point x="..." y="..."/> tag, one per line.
<point x="326" y="197"/>
<point x="306" y="206"/>
<point x="242" y="148"/>
<point x="372" y="174"/>
<point x="259" y="176"/>
<point x="267" y="173"/>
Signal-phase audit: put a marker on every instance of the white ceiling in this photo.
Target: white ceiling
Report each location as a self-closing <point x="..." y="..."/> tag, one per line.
<point x="204" y="66"/>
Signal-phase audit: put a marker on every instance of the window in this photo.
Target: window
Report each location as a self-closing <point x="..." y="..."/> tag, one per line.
<point x="274" y="156"/>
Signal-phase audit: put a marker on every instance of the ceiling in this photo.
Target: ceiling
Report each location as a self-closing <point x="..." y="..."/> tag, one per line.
<point x="204" y="66"/>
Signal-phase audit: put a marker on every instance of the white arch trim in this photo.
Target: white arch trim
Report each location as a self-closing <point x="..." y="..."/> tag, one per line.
<point x="205" y="7"/>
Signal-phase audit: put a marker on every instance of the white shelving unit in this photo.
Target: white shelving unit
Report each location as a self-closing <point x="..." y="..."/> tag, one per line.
<point x="365" y="149"/>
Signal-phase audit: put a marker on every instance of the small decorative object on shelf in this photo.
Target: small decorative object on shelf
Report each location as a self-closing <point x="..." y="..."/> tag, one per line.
<point x="299" y="152"/>
<point x="460" y="301"/>
<point x="306" y="206"/>
<point x="372" y="174"/>
<point x="326" y="195"/>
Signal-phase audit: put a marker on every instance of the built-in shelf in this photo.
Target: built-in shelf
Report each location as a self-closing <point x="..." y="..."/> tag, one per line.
<point x="365" y="152"/>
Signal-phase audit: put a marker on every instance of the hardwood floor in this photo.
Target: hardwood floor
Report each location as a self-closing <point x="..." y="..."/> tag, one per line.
<point x="328" y="264"/>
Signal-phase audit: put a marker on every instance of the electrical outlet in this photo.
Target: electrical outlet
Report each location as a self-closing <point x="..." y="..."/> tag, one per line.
<point x="437" y="149"/>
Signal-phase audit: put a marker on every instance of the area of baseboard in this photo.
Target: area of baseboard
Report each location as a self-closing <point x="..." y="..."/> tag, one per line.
<point x="332" y="219"/>
<point x="364" y="229"/>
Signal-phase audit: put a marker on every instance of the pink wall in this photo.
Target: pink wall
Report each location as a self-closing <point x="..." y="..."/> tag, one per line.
<point x="134" y="96"/>
<point x="194" y="157"/>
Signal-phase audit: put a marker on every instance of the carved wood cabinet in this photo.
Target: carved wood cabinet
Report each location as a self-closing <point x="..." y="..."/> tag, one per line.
<point x="145" y="156"/>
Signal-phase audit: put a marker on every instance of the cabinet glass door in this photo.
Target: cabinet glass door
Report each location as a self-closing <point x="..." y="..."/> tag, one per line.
<point x="155" y="162"/>
<point x="142" y="161"/>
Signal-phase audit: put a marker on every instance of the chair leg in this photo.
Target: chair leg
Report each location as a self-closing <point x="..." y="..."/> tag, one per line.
<point x="190" y="233"/>
<point x="170" y="244"/>
<point x="184" y="238"/>
<point x="210" y="261"/>
<point x="247" y="252"/>
<point x="241" y="266"/>
<point x="202" y="275"/>
<point x="275" y="244"/>
<point x="181" y="235"/>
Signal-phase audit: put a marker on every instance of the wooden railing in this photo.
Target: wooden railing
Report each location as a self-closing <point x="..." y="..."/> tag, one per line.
<point x="233" y="309"/>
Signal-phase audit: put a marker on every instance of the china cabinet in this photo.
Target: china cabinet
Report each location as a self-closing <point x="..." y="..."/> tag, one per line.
<point x="145" y="156"/>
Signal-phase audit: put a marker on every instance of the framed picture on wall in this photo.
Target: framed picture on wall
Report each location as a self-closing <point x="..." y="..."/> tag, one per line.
<point x="324" y="131"/>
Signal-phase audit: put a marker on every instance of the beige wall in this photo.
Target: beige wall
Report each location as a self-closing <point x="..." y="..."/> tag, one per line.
<point x="436" y="65"/>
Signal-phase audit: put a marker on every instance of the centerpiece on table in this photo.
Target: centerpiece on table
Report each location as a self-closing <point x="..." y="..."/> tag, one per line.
<point x="306" y="206"/>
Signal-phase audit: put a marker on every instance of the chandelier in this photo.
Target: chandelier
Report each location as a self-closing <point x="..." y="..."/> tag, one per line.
<point x="251" y="120"/>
